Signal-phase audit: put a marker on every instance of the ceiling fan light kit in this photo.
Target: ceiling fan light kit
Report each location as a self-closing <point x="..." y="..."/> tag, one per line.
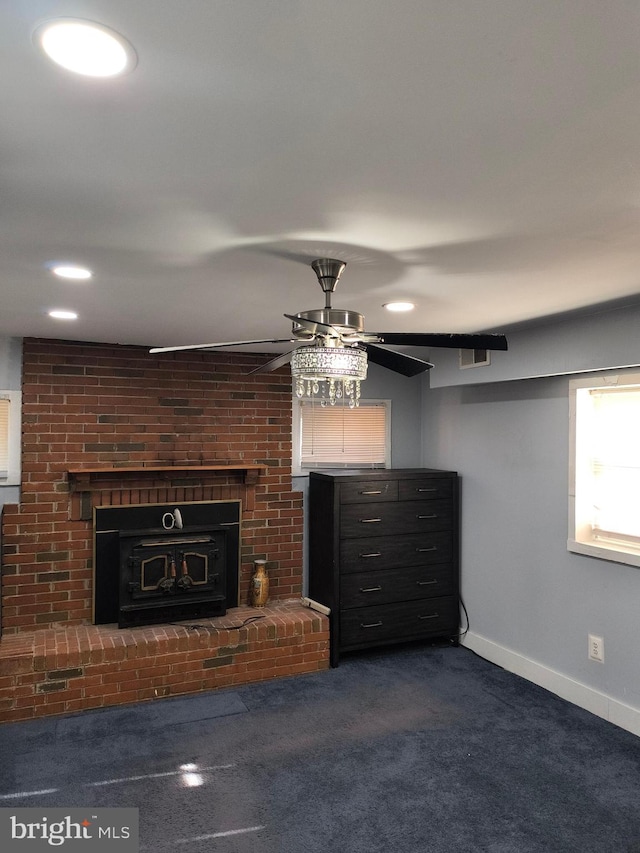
<point x="335" y="351"/>
<point x="330" y="373"/>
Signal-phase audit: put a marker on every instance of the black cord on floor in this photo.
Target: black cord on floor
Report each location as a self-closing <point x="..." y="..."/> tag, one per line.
<point x="212" y="628"/>
<point x="466" y="616"/>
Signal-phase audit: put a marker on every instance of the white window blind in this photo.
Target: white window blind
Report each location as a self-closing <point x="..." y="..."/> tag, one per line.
<point x="4" y="437"/>
<point x="337" y="436"/>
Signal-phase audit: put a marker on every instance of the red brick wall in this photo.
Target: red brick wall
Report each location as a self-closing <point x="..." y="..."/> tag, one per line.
<point x="90" y="405"/>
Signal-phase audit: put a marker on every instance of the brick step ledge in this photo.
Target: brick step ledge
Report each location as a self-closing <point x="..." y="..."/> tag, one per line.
<point x="66" y="670"/>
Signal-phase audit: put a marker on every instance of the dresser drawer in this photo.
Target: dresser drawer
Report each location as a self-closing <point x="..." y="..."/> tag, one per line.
<point x="388" y="552"/>
<point x="363" y="589"/>
<point x="382" y="519"/>
<point x="424" y="490"/>
<point x="406" y="620"/>
<point x="369" y="492"/>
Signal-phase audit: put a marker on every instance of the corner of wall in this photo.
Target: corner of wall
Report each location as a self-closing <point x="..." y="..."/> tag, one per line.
<point x="600" y="704"/>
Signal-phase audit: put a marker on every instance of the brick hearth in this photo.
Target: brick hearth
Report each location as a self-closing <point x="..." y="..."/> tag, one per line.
<point x="94" y="666"/>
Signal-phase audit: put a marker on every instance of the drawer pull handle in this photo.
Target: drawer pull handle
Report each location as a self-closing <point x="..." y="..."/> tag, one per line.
<point x="369" y="520"/>
<point x="426" y="490"/>
<point x="371" y="625"/>
<point x="372" y="492"/>
<point x="430" y="616"/>
<point x="370" y="588"/>
<point x="426" y="583"/>
<point x="430" y="548"/>
<point x="372" y="554"/>
<point x="422" y="517"/>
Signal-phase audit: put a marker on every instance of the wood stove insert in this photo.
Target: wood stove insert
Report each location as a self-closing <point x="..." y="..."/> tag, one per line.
<point x="159" y="563"/>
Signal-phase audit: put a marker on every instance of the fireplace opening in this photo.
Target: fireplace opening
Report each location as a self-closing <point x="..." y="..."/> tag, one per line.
<point x="159" y="563"/>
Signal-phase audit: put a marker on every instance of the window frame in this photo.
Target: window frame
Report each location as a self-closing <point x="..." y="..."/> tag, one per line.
<point x="300" y="470"/>
<point x="12" y="475"/>
<point x="581" y="539"/>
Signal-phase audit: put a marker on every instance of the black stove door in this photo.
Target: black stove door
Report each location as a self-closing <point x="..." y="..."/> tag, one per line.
<point x="171" y="579"/>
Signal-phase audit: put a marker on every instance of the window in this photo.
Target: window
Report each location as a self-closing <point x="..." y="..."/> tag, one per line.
<point x="10" y="438"/>
<point x="604" y="497"/>
<point x="340" y="437"/>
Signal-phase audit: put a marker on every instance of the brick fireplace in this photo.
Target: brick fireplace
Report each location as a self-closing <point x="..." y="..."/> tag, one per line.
<point x="109" y="426"/>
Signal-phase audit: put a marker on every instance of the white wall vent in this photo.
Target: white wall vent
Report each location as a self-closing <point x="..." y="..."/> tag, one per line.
<point x="474" y="358"/>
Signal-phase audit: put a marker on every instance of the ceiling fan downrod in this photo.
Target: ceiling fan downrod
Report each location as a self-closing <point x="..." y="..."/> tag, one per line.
<point x="341" y="321"/>
<point x="328" y="271"/>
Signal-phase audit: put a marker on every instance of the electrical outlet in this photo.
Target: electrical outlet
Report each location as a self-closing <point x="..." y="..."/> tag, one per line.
<point x="596" y="648"/>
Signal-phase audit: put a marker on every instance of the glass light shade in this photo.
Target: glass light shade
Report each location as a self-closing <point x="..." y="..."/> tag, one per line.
<point x="329" y="373"/>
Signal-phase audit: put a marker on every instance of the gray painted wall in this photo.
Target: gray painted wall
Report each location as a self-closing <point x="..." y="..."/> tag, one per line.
<point x="406" y="412"/>
<point x="604" y="337"/>
<point x="10" y="380"/>
<point x="526" y="595"/>
<point x="10" y="364"/>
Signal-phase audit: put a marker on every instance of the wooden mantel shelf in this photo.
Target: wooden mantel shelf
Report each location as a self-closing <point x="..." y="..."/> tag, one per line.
<point x="85" y="481"/>
<point x="83" y="477"/>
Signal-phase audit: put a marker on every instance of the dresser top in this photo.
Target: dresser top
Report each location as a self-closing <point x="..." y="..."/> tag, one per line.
<point x="346" y="474"/>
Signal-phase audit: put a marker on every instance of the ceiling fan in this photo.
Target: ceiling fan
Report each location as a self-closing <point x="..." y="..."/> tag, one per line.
<point x="335" y="344"/>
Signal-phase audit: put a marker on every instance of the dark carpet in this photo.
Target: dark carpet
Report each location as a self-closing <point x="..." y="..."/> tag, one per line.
<point x="423" y="749"/>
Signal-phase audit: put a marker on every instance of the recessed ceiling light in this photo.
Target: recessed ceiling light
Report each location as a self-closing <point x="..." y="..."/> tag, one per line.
<point x="63" y="315"/>
<point x="70" y="271"/>
<point x="399" y="306"/>
<point x="86" y="47"/>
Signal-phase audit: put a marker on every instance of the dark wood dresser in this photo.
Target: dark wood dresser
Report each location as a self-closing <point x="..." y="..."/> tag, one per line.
<point x="384" y="555"/>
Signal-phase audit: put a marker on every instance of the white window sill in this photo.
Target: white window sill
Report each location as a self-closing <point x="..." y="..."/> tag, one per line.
<point x="613" y="553"/>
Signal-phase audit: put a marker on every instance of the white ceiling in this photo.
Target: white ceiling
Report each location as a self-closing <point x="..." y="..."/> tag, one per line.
<point x="480" y="158"/>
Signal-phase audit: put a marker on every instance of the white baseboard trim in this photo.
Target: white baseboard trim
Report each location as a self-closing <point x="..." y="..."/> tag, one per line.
<point x="616" y="712"/>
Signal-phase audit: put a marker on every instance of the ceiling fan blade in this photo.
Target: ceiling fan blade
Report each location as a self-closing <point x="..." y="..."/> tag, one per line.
<point x="225" y="344"/>
<point x="399" y="362"/>
<point x="274" y="364"/>
<point x="314" y="326"/>
<point x="433" y="339"/>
